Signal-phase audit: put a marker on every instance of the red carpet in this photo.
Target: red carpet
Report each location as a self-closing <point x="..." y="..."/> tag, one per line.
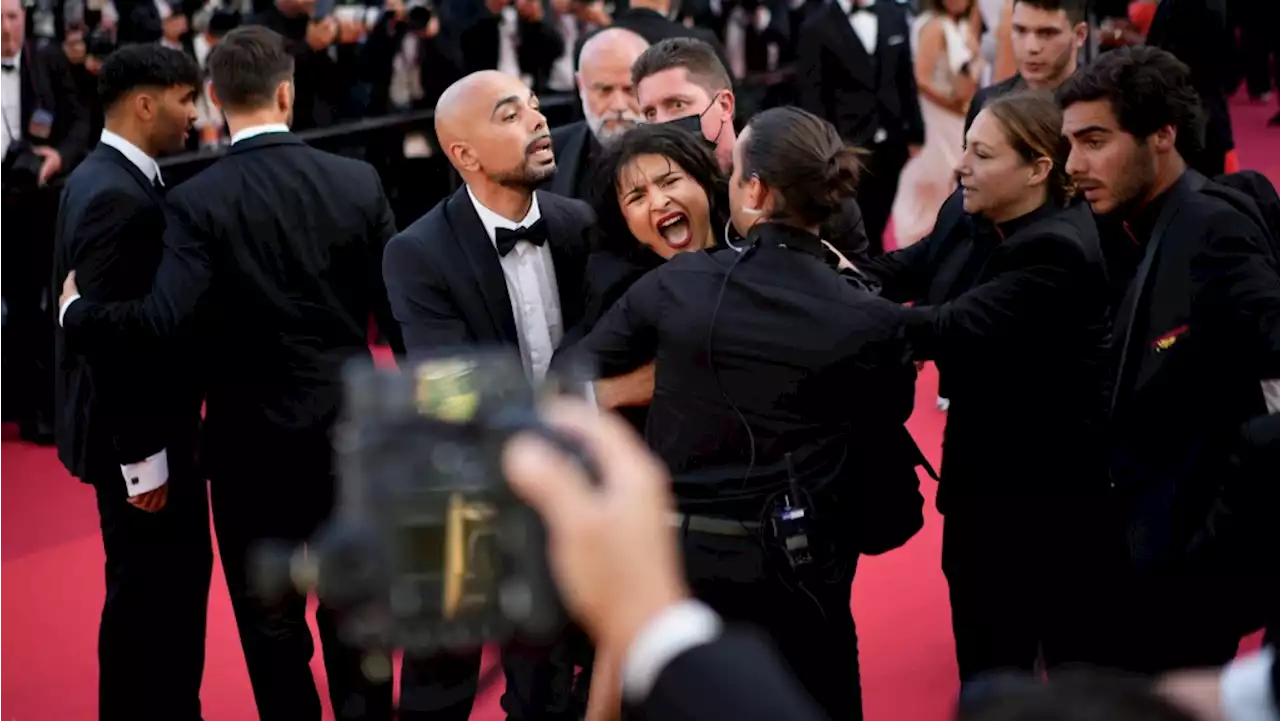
<point x="52" y="581"/>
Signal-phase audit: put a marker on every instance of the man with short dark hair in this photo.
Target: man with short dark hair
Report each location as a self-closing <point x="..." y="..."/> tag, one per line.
<point x="681" y="81"/>
<point x="1196" y="331"/>
<point x="284" y="244"/>
<point x="128" y="414"/>
<point x="1047" y="38"/>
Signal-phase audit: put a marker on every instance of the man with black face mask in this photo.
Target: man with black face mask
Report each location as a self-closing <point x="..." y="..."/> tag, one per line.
<point x="682" y="82"/>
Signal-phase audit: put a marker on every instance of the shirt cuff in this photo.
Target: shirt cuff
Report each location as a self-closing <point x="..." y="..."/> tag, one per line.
<point x="62" y="307"/>
<point x="680" y="627"/>
<point x="1246" y="688"/>
<point x="146" y="475"/>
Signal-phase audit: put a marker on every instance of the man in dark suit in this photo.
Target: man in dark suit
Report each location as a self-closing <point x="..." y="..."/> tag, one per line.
<point x="1047" y="38"/>
<point x="855" y="70"/>
<point x="46" y="132"/>
<point x="608" y="104"/>
<point x="281" y="245"/>
<point x="497" y="264"/>
<point x="1197" y="329"/>
<point x="129" y="413"/>
<point x="680" y="81"/>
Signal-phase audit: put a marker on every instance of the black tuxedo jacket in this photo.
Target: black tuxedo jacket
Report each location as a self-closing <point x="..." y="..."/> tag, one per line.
<point x="445" y="280"/>
<point x="738" y="676"/>
<point x="860" y="93"/>
<point x="1198" y="327"/>
<point x="121" y="402"/>
<point x="280" y="245"/>
<point x="574" y="145"/>
<point x="47" y="84"/>
<point x="1000" y="309"/>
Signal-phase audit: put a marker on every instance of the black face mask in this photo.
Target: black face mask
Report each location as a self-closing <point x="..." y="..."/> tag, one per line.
<point x="693" y="124"/>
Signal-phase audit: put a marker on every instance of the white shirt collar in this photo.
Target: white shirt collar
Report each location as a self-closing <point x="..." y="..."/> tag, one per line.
<point x="134" y="154"/>
<point x="492" y="221"/>
<point x="256" y="130"/>
<point x="848" y="5"/>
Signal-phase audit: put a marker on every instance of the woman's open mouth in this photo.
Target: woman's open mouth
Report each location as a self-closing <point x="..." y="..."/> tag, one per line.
<point x="675" y="230"/>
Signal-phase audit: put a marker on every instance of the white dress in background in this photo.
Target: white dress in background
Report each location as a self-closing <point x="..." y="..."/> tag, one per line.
<point x="929" y="177"/>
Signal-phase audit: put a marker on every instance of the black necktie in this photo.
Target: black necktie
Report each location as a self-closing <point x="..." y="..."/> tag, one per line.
<point x="157" y="184"/>
<point x="506" y="238"/>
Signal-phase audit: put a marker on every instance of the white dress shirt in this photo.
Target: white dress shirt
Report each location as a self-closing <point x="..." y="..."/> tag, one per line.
<point x="531" y="284"/>
<point x="152" y="472"/>
<point x="680" y="627"/>
<point x="1246" y="688"/>
<point x="865" y="25"/>
<point x="254" y="131"/>
<point x="11" y="98"/>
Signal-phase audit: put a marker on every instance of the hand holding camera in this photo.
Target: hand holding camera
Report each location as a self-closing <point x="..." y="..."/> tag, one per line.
<point x="612" y="550"/>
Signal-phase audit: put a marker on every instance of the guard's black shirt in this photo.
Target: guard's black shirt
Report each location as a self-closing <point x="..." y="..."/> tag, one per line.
<point x="807" y="359"/>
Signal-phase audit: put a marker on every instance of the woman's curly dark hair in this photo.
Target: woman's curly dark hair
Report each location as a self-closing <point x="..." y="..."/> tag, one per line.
<point x="679" y="146"/>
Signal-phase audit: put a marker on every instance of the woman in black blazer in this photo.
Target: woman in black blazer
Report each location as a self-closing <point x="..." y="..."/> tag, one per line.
<point x="1011" y="301"/>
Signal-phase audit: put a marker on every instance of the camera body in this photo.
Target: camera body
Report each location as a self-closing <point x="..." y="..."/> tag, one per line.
<point x="21" y="167"/>
<point x="428" y="549"/>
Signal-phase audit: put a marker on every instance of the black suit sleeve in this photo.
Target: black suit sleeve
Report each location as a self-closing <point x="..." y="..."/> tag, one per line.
<point x="108" y="222"/>
<point x="380" y="235"/>
<point x="430" y="322"/>
<point x="627" y="336"/>
<point x="1239" y="286"/>
<point x="180" y="282"/>
<point x="905" y="275"/>
<point x="106" y="228"/>
<point x="75" y="143"/>
<point x="738" y="677"/>
<point x="1042" y="273"/>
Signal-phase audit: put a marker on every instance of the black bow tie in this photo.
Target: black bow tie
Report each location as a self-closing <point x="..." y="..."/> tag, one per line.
<point x="506" y="238"/>
<point x="860" y="9"/>
<point x="8" y="67"/>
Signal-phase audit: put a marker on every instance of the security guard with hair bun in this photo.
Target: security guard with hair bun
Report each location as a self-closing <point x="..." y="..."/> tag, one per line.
<point x="781" y="390"/>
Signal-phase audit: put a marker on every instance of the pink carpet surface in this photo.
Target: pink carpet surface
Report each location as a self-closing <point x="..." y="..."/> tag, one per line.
<point x="51" y="580"/>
